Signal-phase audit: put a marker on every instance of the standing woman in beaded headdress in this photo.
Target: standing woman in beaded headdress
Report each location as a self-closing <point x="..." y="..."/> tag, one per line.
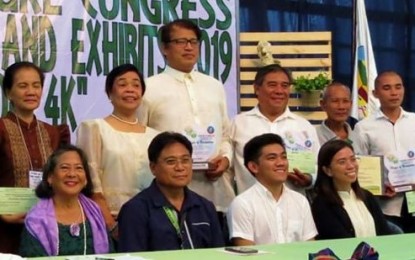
<point x="25" y="142"/>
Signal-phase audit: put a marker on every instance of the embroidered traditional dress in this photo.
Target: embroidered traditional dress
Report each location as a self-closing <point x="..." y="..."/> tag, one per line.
<point x="18" y="156"/>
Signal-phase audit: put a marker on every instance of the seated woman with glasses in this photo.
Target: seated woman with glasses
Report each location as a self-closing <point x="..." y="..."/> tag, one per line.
<point x="341" y="207"/>
<point x="65" y="221"/>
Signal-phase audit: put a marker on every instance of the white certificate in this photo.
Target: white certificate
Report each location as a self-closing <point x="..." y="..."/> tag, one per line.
<point x="300" y="154"/>
<point x="401" y="170"/>
<point x="16" y="200"/>
<point x="203" y="141"/>
<point x="302" y="160"/>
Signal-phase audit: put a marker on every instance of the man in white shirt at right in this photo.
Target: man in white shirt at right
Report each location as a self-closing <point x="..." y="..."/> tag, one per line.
<point x="390" y="132"/>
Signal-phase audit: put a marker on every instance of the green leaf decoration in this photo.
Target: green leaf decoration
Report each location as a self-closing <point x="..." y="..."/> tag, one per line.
<point x="308" y="84"/>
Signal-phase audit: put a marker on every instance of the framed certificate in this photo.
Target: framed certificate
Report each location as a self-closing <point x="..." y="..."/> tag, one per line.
<point x="204" y="146"/>
<point x="202" y="166"/>
<point x="400" y="170"/>
<point x="371" y="173"/>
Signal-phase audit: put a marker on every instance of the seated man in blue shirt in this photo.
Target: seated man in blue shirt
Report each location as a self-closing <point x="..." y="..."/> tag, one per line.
<point x="167" y="215"/>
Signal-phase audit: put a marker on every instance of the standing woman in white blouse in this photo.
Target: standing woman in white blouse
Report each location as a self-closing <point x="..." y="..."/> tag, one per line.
<point x="117" y="145"/>
<point x="341" y="207"/>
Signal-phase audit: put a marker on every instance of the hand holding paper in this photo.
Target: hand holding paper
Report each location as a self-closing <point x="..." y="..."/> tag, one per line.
<point x="220" y="165"/>
<point x="300" y="179"/>
<point x="13" y="218"/>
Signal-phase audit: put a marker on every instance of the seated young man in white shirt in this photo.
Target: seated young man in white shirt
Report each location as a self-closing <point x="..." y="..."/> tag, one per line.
<point x="269" y="212"/>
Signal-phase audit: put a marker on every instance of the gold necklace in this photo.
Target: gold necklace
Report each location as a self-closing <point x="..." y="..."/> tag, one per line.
<point x="125" y="121"/>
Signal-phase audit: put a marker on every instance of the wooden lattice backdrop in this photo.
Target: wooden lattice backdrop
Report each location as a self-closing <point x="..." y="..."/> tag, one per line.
<point x="303" y="53"/>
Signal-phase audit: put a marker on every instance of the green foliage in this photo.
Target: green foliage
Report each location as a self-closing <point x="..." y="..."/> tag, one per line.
<point x="308" y="84"/>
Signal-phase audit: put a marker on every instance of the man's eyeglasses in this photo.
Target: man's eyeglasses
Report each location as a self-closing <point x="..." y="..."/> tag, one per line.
<point x="173" y="161"/>
<point x="182" y="42"/>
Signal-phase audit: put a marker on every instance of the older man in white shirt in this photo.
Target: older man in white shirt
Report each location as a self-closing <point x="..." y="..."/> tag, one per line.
<point x="272" y="87"/>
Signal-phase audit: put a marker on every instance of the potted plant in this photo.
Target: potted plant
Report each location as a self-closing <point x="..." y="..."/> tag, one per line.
<point x="310" y="88"/>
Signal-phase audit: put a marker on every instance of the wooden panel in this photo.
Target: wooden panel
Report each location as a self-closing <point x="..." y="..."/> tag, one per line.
<point x="248" y="102"/>
<point x="323" y="63"/>
<point x="316" y="115"/>
<point x="252" y="101"/>
<point x="303" y="53"/>
<point x="285" y="36"/>
<point x="247" y="75"/>
<point x="250" y="75"/>
<point x="246" y="89"/>
<point x="289" y="49"/>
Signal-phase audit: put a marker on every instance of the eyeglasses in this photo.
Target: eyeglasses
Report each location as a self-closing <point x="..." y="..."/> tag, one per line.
<point x="182" y="42"/>
<point x="172" y="161"/>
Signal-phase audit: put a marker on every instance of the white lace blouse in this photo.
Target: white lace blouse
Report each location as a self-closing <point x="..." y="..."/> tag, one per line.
<point x="118" y="160"/>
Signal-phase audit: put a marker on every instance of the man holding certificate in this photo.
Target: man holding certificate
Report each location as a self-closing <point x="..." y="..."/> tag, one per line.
<point x="389" y="132"/>
<point x="184" y="100"/>
<point x="272" y="87"/>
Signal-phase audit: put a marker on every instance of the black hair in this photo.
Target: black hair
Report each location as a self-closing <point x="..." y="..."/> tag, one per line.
<point x="263" y="71"/>
<point x="324" y="184"/>
<point x="165" y="139"/>
<point x="12" y="70"/>
<point x="253" y="148"/>
<point x="120" y="70"/>
<point x="44" y="190"/>
<point x="165" y="30"/>
<point x="384" y="73"/>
